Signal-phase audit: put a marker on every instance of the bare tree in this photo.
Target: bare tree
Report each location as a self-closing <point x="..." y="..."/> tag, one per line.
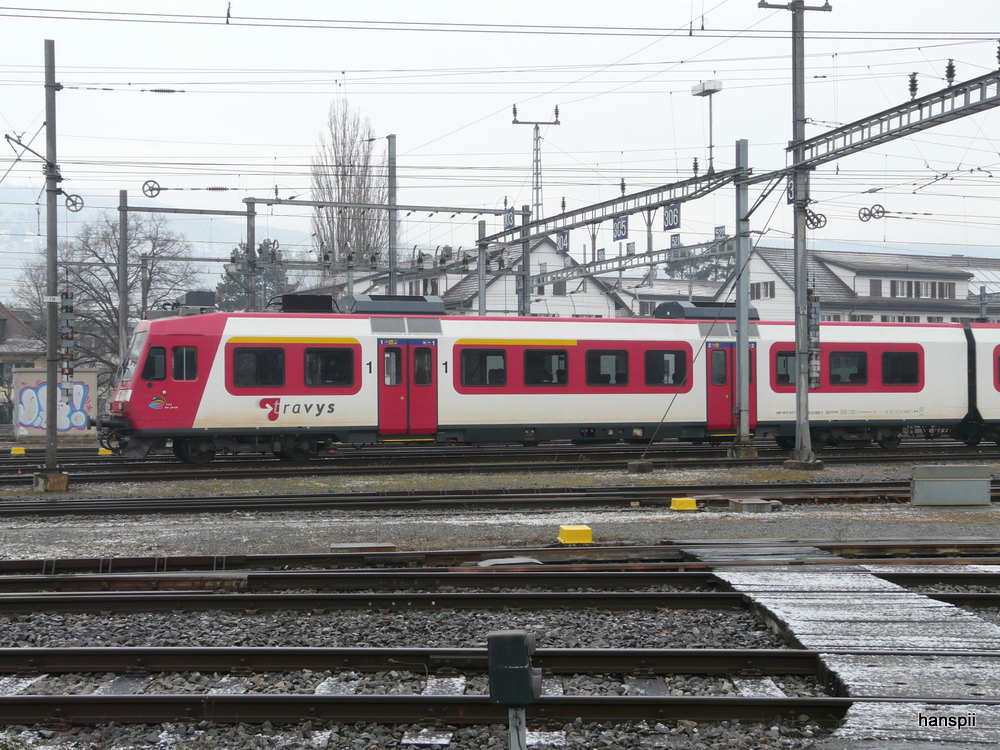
<point x="88" y="267"/>
<point x="347" y="170"/>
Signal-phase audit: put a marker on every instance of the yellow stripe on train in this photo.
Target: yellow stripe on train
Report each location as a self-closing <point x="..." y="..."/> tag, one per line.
<point x="516" y="342"/>
<point x="289" y="340"/>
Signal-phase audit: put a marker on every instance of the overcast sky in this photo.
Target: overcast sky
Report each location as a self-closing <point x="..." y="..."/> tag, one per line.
<point x="442" y="75"/>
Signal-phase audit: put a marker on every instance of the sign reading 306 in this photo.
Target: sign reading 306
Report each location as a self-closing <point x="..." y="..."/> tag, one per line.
<point x="620" y="228"/>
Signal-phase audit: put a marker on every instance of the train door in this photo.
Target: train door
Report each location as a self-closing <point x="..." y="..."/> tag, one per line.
<point x="722" y="386"/>
<point x="407" y="390"/>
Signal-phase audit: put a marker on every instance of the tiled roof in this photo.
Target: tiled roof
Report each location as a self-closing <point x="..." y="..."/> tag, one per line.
<point x="674" y="288"/>
<point x="887" y="263"/>
<point x="821" y="279"/>
<point x="18" y="338"/>
<point x="462" y="293"/>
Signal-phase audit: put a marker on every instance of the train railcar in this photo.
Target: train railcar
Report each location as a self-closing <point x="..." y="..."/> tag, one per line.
<point x="296" y="384"/>
<point x="875" y="380"/>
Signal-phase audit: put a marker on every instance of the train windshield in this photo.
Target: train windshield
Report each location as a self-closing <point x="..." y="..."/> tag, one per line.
<point x="134" y="350"/>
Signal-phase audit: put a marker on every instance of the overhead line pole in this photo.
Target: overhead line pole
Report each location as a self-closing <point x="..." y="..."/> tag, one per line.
<point x="52" y="180"/>
<point x="742" y="446"/>
<point x="393" y="216"/>
<point x="803" y="455"/>
<point x="921" y="113"/>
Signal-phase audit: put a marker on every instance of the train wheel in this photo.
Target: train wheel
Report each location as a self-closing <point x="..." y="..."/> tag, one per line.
<point x="785" y="443"/>
<point x="889" y="442"/>
<point x="194" y="450"/>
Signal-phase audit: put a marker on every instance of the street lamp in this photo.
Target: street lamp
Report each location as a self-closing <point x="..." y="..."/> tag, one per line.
<point x="707" y="88"/>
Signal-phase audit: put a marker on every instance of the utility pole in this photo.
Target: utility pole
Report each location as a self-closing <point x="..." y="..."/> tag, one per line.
<point x="251" y="256"/>
<point x="524" y="299"/>
<point x="803" y="457"/>
<point x="123" y="277"/>
<point x="536" y="164"/>
<point x="393" y="219"/>
<point x="482" y="255"/>
<point x="52" y="180"/>
<point x="742" y="446"/>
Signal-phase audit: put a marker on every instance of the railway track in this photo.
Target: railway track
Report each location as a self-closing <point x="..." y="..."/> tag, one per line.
<point x="365" y="566"/>
<point x="17" y="471"/>
<point x="708" y="496"/>
<point x="125" y="685"/>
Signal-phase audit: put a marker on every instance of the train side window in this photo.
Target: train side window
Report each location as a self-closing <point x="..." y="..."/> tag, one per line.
<point x="423" y="366"/>
<point x="666" y="367"/>
<point x="484" y="367"/>
<point x="784" y="368"/>
<point x="543" y="367"/>
<point x="329" y="367"/>
<point x="900" y="368"/>
<point x="155" y="367"/>
<point x="607" y="367"/>
<point x="392" y="373"/>
<point x="848" y="368"/>
<point x="184" y="363"/>
<point x="720" y="367"/>
<point x="258" y="367"/>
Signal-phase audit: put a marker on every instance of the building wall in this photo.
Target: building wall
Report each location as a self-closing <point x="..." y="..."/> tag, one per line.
<point x="74" y="417"/>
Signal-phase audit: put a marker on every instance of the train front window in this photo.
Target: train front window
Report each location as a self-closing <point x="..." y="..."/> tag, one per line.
<point x="134" y="352"/>
<point x="155" y="367"/>
<point x="184" y="363"/>
<point x="258" y="367"/>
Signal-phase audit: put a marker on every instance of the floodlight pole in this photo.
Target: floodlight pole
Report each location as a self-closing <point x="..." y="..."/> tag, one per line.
<point x="708" y="89"/>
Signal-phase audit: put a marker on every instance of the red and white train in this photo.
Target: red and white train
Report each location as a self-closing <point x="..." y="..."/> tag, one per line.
<point x="296" y="384"/>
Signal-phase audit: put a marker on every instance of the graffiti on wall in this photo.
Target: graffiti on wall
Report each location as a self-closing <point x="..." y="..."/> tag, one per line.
<point x="72" y="415"/>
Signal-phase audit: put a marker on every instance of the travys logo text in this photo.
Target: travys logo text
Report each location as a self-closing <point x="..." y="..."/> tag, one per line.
<point x="276" y="409"/>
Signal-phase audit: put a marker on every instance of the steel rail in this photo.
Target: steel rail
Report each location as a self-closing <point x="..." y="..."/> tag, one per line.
<point x="668" y="555"/>
<point x="551" y="578"/>
<point x="714" y="495"/>
<point x="200" y="601"/>
<point x="168" y="601"/>
<point x="266" y="468"/>
<point x="153" y="660"/>
<point x="351" y="580"/>
<point x="413" y="709"/>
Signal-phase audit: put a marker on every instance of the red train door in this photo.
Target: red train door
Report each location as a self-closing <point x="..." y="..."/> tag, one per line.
<point x="722" y="385"/>
<point x="407" y="390"/>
